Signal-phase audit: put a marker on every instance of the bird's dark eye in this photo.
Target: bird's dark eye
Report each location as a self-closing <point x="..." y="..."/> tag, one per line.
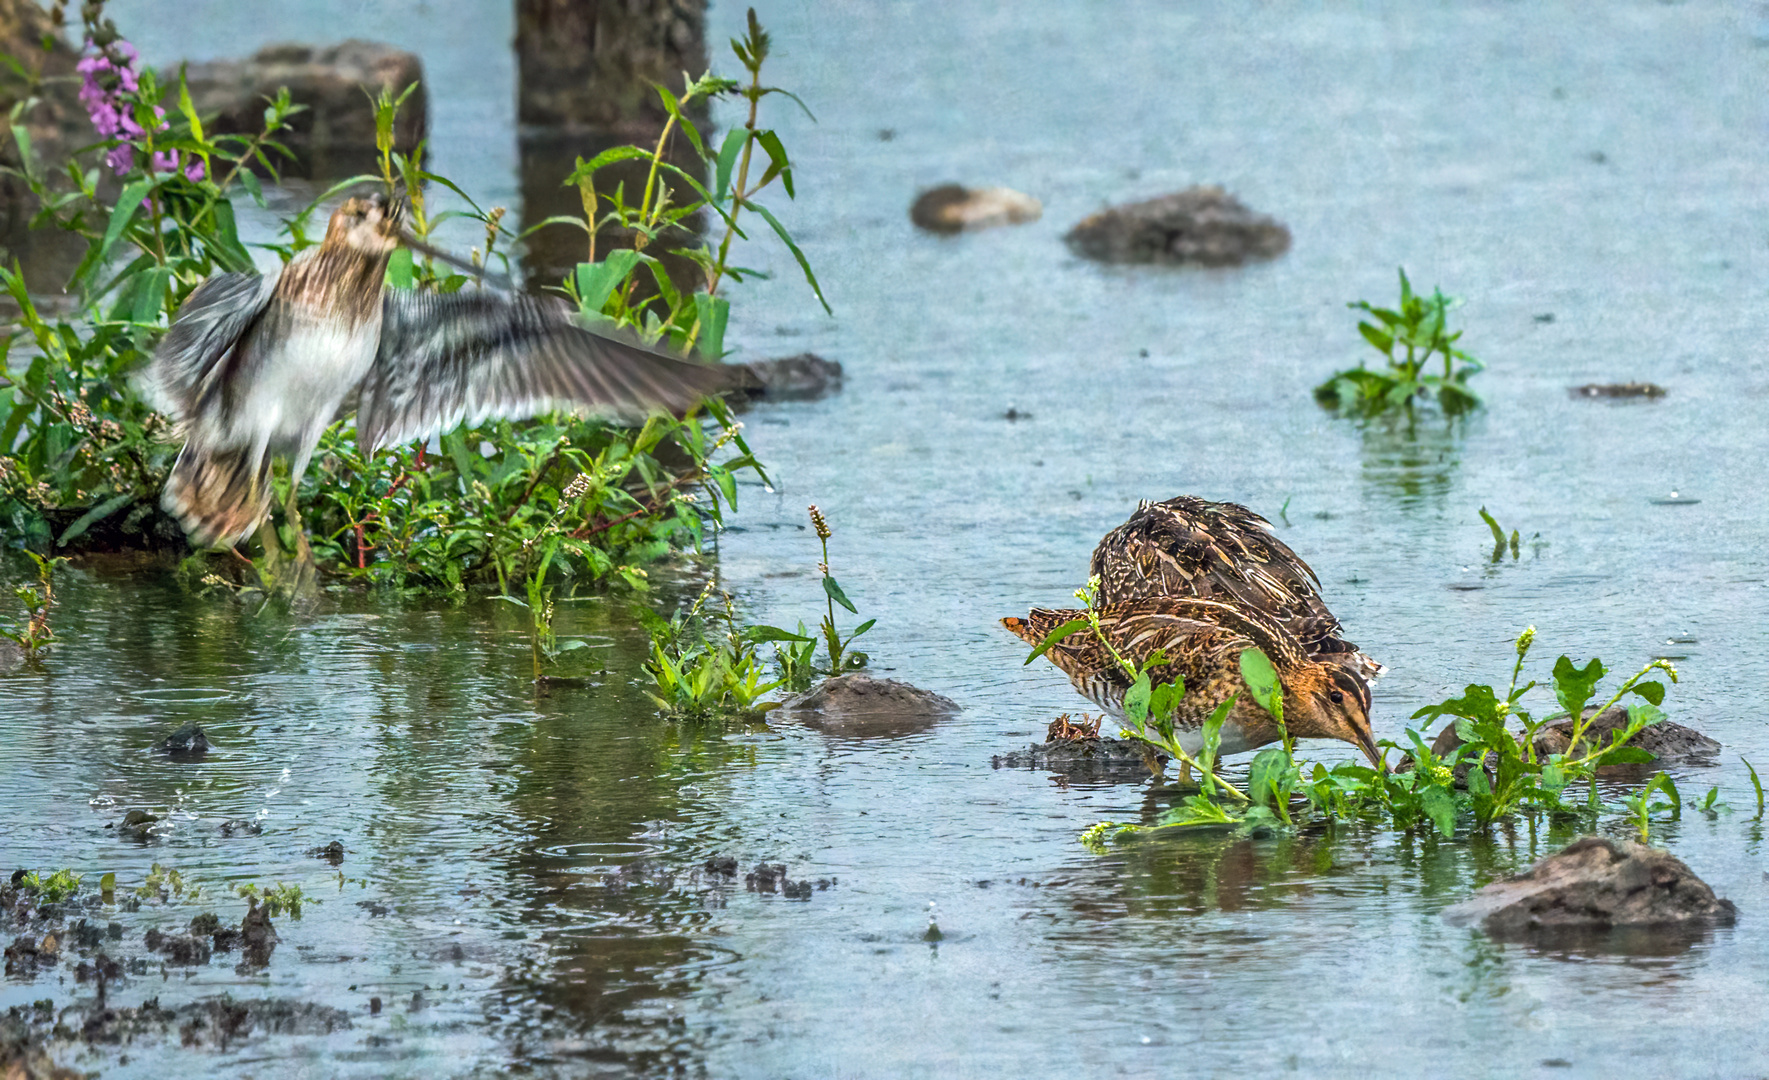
<point x="1337" y="697"/>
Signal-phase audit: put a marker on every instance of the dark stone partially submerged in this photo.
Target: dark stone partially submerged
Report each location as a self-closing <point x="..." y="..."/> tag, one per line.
<point x="861" y="706"/>
<point x="1619" y="390"/>
<point x="789" y="378"/>
<point x="1668" y="743"/>
<point x="335" y="136"/>
<point x="189" y="741"/>
<point x="1097" y="756"/>
<point x="1202" y="225"/>
<point x="1594" y="884"/>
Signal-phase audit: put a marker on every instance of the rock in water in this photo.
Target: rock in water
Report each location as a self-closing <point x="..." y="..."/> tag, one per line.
<point x="952" y="208"/>
<point x="789" y="378"/>
<point x="1202" y="225"/>
<point x="860" y="705"/>
<point x="1594" y="883"/>
<point x="188" y="741"/>
<point x="1619" y="390"/>
<point x="335" y="135"/>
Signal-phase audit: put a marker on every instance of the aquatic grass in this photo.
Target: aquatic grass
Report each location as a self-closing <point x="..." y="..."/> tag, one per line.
<point x="704" y="663"/>
<point x="1493" y="775"/>
<point x="1500" y="541"/>
<point x="35" y="634"/>
<point x="53" y="889"/>
<point x="842" y="656"/>
<point x="1408" y="336"/>
<point x="276" y="898"/>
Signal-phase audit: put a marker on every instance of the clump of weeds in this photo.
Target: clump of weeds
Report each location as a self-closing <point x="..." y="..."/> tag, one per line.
<point x="35" y="634"/>
<point x="1412" y="338"/>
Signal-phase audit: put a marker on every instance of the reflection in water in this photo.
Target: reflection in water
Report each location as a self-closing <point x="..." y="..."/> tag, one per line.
<point x="1412" y="458"/>
<point x="548" y="157"/>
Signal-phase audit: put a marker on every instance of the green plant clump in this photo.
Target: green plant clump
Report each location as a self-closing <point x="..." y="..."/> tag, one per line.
<point x="1504" y="775"/>
<point x="1408" y="337"/>
<point x="59" y="886"/>
<point x="704" y="664"/>
<point x="563" y="500"/>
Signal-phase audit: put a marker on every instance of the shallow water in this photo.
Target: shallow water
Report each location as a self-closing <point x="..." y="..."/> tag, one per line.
<point x="557" y="841"/>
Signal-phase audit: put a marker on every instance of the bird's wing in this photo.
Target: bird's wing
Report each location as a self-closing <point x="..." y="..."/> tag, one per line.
<point x="1214" y="551"/>
<point x="201" y="347"/>
<point x="449" y="357"/>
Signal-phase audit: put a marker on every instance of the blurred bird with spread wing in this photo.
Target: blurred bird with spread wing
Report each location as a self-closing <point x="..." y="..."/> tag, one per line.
<point x="257" y="366"/>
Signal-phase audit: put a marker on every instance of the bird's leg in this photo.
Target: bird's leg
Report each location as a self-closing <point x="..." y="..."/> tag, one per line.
<point x="1152" y="760"/>
<point x="304" y="569"/>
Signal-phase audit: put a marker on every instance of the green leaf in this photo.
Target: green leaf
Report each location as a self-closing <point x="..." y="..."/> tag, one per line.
<point x="585" y="170"/>
<point x="399" y="269"/>
<point x="107" y="883"/>
<point x="759" y="634"/>
<point x="712" y="313"/>
<point x="224" y="242"/>
<point x="778" y="165"/>
<point x="1439" y="805"/>
<point x="128" y="205"/>
<point x="862" y="628"/>
<point x="1136" y="700"/>
<point x="1625" y="755"/>
<point x="786" y="238"/>
<point x="1664" y="783"/>
<point x="1265" y="777"/>
<point x="96" y="514"/>
<point x="675" y="110"/>
<point x="1651" y="691"/>
<point x="597" y="281"/>
<point x="1498" y="533"/>
<point x="836" y="594"/>
<point x="1382" y="341"/>
<point x="1476" y="703"/>
<point x="249" y="180"/>
<point x="1573" y="686"/>
<point x="1056" y="636"/>
<point x="150" y="295"/>
<point x="1757" y="784"/>
<point x="728" y="151"/>
<point x="1262" y="681"/>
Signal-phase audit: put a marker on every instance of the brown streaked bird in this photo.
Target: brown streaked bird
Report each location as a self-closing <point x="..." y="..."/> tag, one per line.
<point x="257" y="366"/>
<point x="1192" y="547"/>
<point x="1202" y="641"/>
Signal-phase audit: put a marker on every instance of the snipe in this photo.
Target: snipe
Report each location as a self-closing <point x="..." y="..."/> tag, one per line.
<point x="256" y="366"/>
<point x="1202" y="641"/>
<point x="1191" y="547"/>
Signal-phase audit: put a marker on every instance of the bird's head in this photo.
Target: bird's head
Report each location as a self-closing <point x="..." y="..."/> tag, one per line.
<point x="1329" y="701"/>
<point x="370" y="224"/>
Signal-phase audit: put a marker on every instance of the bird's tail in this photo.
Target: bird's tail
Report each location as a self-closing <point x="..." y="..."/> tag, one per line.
<point x="219" y="495"/>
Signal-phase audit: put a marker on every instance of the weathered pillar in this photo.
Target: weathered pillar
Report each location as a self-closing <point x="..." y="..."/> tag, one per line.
<point x="591" y="63"/>
<point x="586" y="71"/>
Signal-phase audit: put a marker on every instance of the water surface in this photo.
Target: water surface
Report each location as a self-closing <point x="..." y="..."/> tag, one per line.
<point x="532" y="865"/>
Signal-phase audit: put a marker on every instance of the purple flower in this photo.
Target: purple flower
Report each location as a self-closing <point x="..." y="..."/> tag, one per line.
<point x="107" y="76"/>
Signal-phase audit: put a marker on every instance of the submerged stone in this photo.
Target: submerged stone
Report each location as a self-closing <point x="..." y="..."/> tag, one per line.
<point x="862" y="706"/>
<point x="952" y="208"/>
<point x="1619" y="390"/>
<point x="1667" y="742"/>
<point x="1594" y="883"/>
<point x="1094" y="755"/>
<point x="188" y="741"/>
<point x="788" y="378"/>
<point x="1202" y="225"/>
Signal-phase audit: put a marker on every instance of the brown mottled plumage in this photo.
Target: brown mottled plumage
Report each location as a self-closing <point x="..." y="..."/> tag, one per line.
<point x="257" y="366"/>
<point x="1190" y="547"/>
<point x="1202" y="641"/>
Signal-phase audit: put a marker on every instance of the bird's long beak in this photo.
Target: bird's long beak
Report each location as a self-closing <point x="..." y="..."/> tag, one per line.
<point x="496" y="280"/>
<point x="1366" y="742"/>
